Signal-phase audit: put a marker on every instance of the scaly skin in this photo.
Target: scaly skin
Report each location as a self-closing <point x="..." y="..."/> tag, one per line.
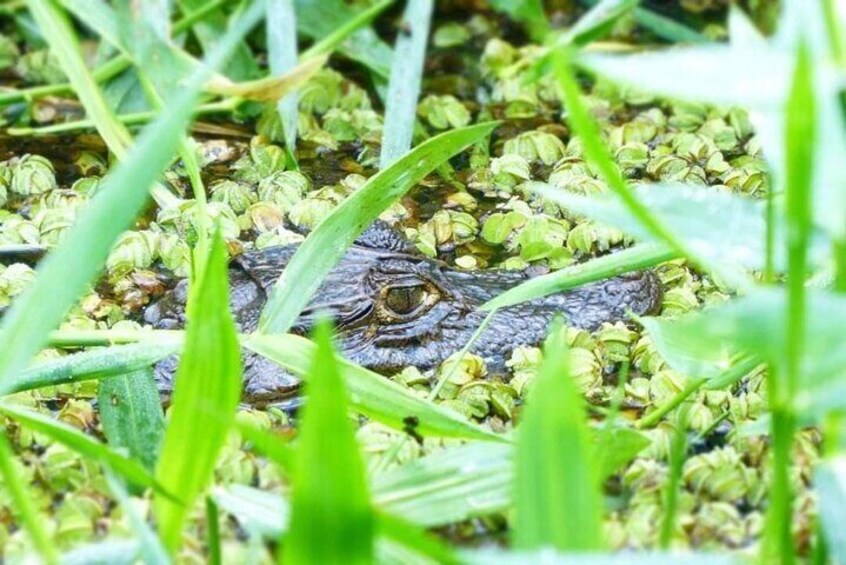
<point x="371" y="334"/>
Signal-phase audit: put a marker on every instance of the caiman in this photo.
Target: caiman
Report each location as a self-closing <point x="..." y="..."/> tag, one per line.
<point x="393" y="307"/>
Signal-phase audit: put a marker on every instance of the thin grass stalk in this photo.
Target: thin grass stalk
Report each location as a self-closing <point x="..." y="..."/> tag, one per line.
<point x="671" y="494"/>
<point x="584" y="125"/>
<point x="131" y="119"/>
<point x="24" y="509"/>
<point x="784" y="380"/>
<point x="111" y="67"/>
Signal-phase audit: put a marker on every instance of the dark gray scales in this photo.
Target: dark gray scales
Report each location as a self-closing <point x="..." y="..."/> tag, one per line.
<point x="393" y="307"/>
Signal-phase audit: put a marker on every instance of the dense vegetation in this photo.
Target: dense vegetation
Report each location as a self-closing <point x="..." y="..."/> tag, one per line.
<point x="576" y="139"/>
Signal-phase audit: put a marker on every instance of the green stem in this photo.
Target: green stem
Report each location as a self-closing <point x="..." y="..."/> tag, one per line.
<point x="213" y="532"/>
<point x="134" y="118"/>
<point x="92" y="338"/>
<point x="658" y="414"/>
<point x="108" y="69"/>
<point x="331" y="41"/>
<point x="676" y="461"/>
<point x="22" y="505"/>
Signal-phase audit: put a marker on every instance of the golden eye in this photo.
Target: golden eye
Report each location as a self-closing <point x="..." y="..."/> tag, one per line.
<point x="403" y="300"/>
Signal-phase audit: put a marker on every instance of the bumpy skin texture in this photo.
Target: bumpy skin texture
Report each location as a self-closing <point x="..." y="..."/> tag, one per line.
<point x="438" y="310"/>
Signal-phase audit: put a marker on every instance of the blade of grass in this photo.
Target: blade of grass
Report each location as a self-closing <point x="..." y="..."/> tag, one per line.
<point x="206" y="392"/>
<point x="371" y="394"/>
<point x="64" y="274"/>
<point x="281" y="26"/>
<point x="635" y="258"/>
<point x="209" y="32"/>
<point x="64" y="44"/>
<point x="557" y="501"/>
<point x="131" y="414"/>
<point x="319" y="19"/>
<point x="331" y="517"/>
<point x="213" y="532"/>
<point x="414" y="538"/>
<point x="150" y="546"/>
<point x="335" y="39"/>
<point x="325" y="246"/>
<point x="86" y="446"/>
<point x="783" y="383"/>
<point x="91" y="364"/>
<point x="404" y="84"/>
<point x="22" y="506"/>
<point x="597" y="22"/>
<point x="108" y="69"/>
<point x="584" y="125"/>
<point x="678" y="448"/>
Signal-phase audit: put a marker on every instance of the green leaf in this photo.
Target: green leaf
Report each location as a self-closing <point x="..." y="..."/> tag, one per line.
<point x="98" y="363"/>
<point x="66" y="272"/>
<point x="597" y="153"/>
<point x="413" y="539"/>
<point x="281" y="21"/>
<point x="130" y="469"/>
<point x="371" y="394"/>
<point x="107" y="552"/>
<point x="404" y="84"/>
<point x="718" y="74"/>
<point x="131" y="414"/>
<point x="319" y="19"/>
<point x="331" y="517"/>
<point x="206" y="392"/>
<point x="210" y="31"/>
<point x="597" y="22"/>
<point x="151" y="548"/>
<point x="557" y="501"/>
<point x="457" y="484"/>
<point x="529" y="12"/>
<point x="325" y="246"/>
<point x="691" y="213"/>
<point x="632" y="259"/>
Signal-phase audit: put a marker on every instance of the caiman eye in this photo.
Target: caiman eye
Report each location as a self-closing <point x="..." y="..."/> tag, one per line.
<point x="404" y="300"/>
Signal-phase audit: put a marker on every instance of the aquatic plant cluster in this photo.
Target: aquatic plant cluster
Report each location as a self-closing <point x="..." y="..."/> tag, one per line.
<point x="702" y="439"/>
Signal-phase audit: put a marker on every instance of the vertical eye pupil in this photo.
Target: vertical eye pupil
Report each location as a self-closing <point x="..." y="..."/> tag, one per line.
<point x="405" y="300"/>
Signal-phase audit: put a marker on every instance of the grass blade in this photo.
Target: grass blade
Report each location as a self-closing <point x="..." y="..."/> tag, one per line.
<point x="205" y="395"/>
<point x="783" y="383"/>
<point x="281" y="22"/>
<point x="597" y="22"/>
<point x="131" y="414"/>
<point x="557" y="500"/>
<point x="64" y="274"/>
<point x="57" y="30"/>
<point x="404" y="84"/>
<point x="325" y="246"/>
<point x="151" y="548"/>
<point x="18" y="493"/>
<point x="331" y="517"/>
<point x="86" y="446"/>
<point x="371" y="394"/>
<point x="97" y="363"/>
<point x="584" y="125"/>
<point x="632" y="259"/>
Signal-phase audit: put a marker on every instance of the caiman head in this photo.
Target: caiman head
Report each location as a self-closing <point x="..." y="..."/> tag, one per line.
<point x="394" y="307"/>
